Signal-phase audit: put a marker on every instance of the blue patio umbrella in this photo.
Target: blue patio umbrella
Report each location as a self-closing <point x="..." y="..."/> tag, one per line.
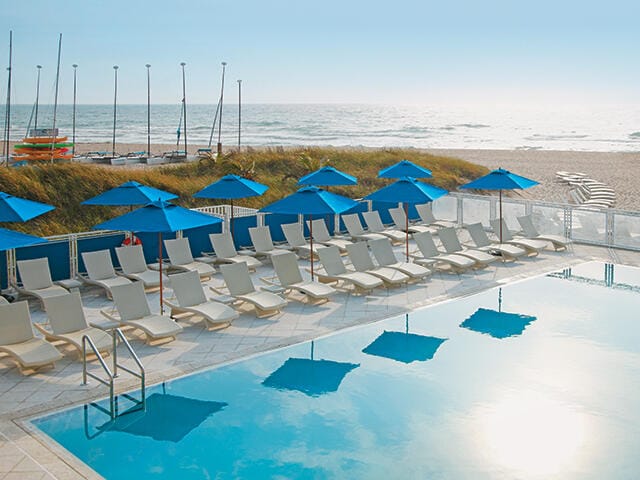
<point x="328" y="176"/>
<point x="408" y="191"/>
<point x="404" y="168"/>
<point x="404" y="347"/>
<point x="311" y="201"/>
<point x="231" y="187"/>
<point x="16" y="209"/>
<point x="500" y="179"/>
<point x="159" y="217"/>
<point x="309" y="376"/>
<point x="130" y="193"/>
<point x="498" y="324"/>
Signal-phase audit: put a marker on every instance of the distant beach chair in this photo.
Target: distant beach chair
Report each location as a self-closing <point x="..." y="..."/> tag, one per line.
<point x="181" y="259"/>
<point x="334" y="270"/>
<point x="134" y="267"/>
<point x="68" y="324"/>
<point x="483" y="243"/>
<point x="36" y="280"/>
<point x="262" y="242"/>
<point x="431" y="256"/>
<point x="529" y="230"/>
<point x="18" y="341"/>
<point x="356" y="230"/>
<point x="362" y="262"/>
<point x="375" y="225"/>
<point x="290" y="278"/>
<point x="400" y="221"/>
<point x="451" y="243"/>
<point x="134" y="311"/>
<point x="295" y="238"/>
<point x="236" y="277"/>
<point x="321" y="235"/>
<point x="190" y="300"/>
<point x="100" y="271"/>
<point x="532" y="246"/>
<point x="384" y="255"/>
<point x="226" y="252"/>
<point x="427" y="217"/>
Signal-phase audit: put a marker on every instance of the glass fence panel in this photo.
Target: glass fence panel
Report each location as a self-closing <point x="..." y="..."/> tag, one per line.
<point x="476" y="210"/>
<point x="510" y="212"/>
<point x="626" y="230"/>
<point x="589" y="226"/>
<point x="549" y="220"/>
<point x="446" y="208"/>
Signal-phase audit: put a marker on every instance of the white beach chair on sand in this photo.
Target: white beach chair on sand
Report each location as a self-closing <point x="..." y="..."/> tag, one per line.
<point x="236" y="277"/>
<point x="181" y="259"/>
<point x="430" y="256"/>
<point x="18" y="341"/>
<point x="483" y="242"/>
<point x="532" y="246"/>
<point x="290" y="278"/>
<point x="100" y="271"/>
<point x="134" y="267"/>
<point x="400" y="220"/>
<point x="427" y="217"/>
<point x="262" y="242"/>
<point x="190" y="300"/>
<point x="355" y="229"/>
<point x="383" y="252"/>
<point x="68" y="324"/>
<point x="36" y="279"/>
<point x="451" y="243"/>
<point x="375" y="225"/>
<point x="529" y="231"/>
<point x="321" y="235"/>
<point x="362" y="262"/>
<point x="295" y="239"/>
<point x="333" y="270"/>
<point x="134" y="311"/>
<point x="226" y="252"/>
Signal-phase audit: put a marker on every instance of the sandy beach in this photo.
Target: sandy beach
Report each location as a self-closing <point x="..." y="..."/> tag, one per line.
<point x="617" y="169"/>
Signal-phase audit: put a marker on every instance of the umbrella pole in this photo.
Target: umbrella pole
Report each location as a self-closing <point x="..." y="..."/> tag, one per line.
<point x="231" y="221"/>
<point x="310" y="240"/>
<point x="160" y="260"/>
<point x="406" y="229"/>
<point x="500" y="196"/>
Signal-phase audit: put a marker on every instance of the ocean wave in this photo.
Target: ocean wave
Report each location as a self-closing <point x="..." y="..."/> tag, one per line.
<point x="551" y="137"/>
<point x="634" y="135"/>
<point x="472" y="125"/>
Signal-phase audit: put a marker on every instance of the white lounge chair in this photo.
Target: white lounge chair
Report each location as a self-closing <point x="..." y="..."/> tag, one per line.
<point x="262" y="242"/>
<point x="36" y="279"/>
<point x="529" y="231"/>
<point x="290" y="278"/>
<point x="100" y="271"/>
<point x="226" y="252"/>
<point x="18" y="341"/>
<point x="362" y="262"/>
<point x="190" y="300"/>
<point x="375" y="225"/>
<point x="533" y="247"/>
<point x="236" y="277"/>
<point x="68" y="324"/>
<point x="321" y="235"/>
<point x="181" y="259"/>
<point x="400" y="221"/>
<point x="483" y="242"/>
<point x="430" y="255"/>
<point x="134" y="267"/>
<point x="333" y="270"/>
<point x="295" y="238"/>
<point x="451" y="243"/>
<point x="356" y="230"/>
<point x="383" y="252"/>
<point x="134" y="311"/>
<point x="427" y="217"/>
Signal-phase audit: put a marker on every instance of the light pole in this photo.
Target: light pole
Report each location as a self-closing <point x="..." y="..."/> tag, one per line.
<point x="35" y="125"/>
<point x="239" y="111"/>
<point x="224" y="65"/>
<point x="73" y="117"/>
<point x="115" y="100"/>
<point x="184" y="108"/>
<point x="148" y="110"/>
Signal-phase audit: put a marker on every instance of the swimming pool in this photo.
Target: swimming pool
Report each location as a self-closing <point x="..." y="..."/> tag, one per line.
<point x="537" y="379"/>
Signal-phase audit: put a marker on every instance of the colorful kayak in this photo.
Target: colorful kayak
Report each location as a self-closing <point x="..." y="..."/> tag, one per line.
<point x="45" y="139"/>
<point x="20" y="146"/>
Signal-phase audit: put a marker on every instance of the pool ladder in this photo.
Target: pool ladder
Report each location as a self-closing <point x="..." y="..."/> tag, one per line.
<point x="111" y="376"/>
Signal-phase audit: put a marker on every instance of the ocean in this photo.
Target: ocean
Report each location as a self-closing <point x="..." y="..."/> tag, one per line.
<point x="583" y="128"/>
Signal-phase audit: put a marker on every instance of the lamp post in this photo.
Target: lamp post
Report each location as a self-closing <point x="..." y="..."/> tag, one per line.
<point x="224" y="65"/>
<point x="115" y="100"/>
<point x="184" y="107"/>
<point x="73" y="117"/>
<point x="148" y="109"/>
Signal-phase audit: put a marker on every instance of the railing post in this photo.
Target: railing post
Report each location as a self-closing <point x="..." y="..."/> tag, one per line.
<point x="114" y="335"/>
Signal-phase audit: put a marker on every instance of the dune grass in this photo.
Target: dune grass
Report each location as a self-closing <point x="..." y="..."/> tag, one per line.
<point x="66" y="185"/>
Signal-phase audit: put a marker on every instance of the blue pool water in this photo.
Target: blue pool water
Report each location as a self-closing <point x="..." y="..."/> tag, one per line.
<point x="537" y="379"/>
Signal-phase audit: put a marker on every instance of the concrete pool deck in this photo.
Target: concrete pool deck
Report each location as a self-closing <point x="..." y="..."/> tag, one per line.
<point x="26" y="454"/>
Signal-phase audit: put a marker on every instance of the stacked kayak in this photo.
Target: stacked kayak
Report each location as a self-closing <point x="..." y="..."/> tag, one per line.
<point x="43" y="148"/>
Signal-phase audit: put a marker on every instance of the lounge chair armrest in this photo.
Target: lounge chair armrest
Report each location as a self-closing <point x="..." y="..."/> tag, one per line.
<point x="70" y="284"/>
<point x="41" y="328"/>
<point x="219" y="290"/>
<point x="111" y="321"/>
<point x="224" y="299"/>
<point x="170" y="303"/>
<point x="247" y="252"/>
<point x="270" y="280"/>
<point x="273" y="289"/>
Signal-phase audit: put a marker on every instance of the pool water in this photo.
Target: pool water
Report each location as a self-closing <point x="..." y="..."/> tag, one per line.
<point x="537" y="379"/>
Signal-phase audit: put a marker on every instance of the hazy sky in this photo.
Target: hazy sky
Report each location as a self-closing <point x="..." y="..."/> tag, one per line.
<point x="329" y="51"/>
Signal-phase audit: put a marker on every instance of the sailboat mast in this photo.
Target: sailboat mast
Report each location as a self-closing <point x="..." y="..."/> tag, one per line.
<point x="55" y="98"/>
<point x="239" y="111"/>
<point x="73" y="128"/>
<point x="35" y="125"/>
<point x="7" y="115"/>
<point x="148" y="109"/>
<point x="115" y="104"/>
<point x="184" y="107"/>
<point x="224" y="65"/>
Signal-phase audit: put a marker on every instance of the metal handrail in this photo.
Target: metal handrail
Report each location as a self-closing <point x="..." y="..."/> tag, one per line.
<point x="117" y="333"/>
<point x="109" y="383"/>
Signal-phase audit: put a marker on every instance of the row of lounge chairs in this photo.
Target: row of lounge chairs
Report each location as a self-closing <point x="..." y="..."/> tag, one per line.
<point x="586" y="191"/>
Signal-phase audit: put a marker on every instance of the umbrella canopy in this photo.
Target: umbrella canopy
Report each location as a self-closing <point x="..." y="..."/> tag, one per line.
<point x="130" y="193"/>
<point x="230" y="187"/>
<point x="10" y="239"/>
<point x="404" y="168"/>
<point x="165" y="417"/>
<point x="16" y="209"/>
<point x="328" y="176"/>
<point x="311" y="201"/>
<point x="500" y="179"/>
